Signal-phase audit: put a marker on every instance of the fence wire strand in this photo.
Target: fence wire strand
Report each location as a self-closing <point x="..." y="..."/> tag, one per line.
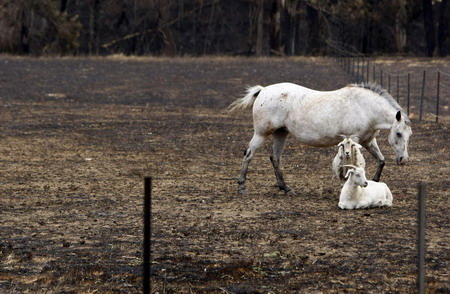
<point x="415" y="87"/>
<point x="444" y="73"/>
<point x="444" y="86"/>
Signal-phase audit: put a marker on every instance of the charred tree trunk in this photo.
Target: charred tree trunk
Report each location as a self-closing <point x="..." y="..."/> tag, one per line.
<point x="93" y="43"/>
<point x="24" y="47"/>
<point x="166" y="43"/>
<point x="443" y="38"/>
<point x="289" y="27"/>
<point x="260" y="28"/>
<point x="63" y="6"/>
<point x="312" y="45"/>
<point x="275" y="27"/>
<point x="428" y="19"/>
<point x="288" y="34"/>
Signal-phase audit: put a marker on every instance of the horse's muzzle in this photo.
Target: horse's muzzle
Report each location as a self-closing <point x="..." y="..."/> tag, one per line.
<point x="402" y="160"/>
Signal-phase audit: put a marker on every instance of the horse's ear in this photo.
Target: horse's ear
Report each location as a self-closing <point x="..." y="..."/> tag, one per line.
<point x="398" y="116"/>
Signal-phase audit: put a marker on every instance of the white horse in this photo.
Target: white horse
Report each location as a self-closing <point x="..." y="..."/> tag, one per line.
<point x="320" y="119"/>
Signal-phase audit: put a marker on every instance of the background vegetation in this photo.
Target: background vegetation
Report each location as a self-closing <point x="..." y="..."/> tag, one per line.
<point x="232" y="27"/>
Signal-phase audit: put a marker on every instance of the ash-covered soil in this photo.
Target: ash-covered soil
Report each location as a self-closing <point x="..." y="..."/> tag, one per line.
<point x="78" y="135"/>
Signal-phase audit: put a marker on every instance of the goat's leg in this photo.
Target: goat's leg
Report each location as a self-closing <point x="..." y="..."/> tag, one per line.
<point x="279" y="140"/>
<point x="253" y="146"/>
<point x="373" y="149"/>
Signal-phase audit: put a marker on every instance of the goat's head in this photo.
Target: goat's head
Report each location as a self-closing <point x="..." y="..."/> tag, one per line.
<point x="357" y="175"/>
<point x="348" y="146"/>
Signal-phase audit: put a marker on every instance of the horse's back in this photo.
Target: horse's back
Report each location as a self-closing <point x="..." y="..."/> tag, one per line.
<point x="287" y="89"/>
<point x="316" y="118"/>
<point x="283" y="92"/>
<point x="279" y="99"/>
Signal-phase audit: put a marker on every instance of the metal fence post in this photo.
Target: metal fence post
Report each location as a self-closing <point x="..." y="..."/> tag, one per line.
<point x="389" y="83"/>
<point x="374" y="78"/>
<point x="421" y="239"/>
<point x="398" y="86"/>
<point x="422" y="95"/>
<point x="368" y="70"/>
<point x="408" y="91"/>
<point x="353" y="66"/>
<point x="147" y="234"/>
<point x="381" y="77"/>
<point x="437" y="96"/>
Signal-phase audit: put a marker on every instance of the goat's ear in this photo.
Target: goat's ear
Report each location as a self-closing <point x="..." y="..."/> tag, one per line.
<point x="349" y="172"/>
<point x="398" y="116"/>
<point x="358" y="146"/>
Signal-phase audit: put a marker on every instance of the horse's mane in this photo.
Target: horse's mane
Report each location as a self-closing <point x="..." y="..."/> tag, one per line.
<point x="376" y="88"/>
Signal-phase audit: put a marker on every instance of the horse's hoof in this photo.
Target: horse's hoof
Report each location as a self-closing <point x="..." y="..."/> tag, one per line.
<point x="291" y="193"/>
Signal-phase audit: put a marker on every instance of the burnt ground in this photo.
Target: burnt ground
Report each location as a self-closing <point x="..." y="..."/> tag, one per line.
<point x="78" y="135"/>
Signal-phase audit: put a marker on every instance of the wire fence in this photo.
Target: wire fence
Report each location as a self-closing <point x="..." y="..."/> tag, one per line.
<point x="413" y="89"/>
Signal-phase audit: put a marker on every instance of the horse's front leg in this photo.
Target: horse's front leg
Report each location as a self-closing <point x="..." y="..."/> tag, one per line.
<point x="253" y="146"/>
<point x="373" y="149"/>
<point x="279" y="141"/>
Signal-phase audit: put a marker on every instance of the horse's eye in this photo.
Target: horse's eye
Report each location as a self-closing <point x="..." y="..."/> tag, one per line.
<point x="399" y="135"/>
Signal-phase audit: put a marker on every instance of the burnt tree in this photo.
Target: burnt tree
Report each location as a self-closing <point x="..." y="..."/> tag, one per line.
<point x="443" y="38"/>
<point x="428" y="21"/>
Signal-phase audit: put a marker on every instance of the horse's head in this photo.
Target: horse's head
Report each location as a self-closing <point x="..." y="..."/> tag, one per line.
<point x="399" y="137"/>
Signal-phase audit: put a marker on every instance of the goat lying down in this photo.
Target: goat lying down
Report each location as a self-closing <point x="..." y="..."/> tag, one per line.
<point x="359" y="193"/>
<point x="349" y="153"/>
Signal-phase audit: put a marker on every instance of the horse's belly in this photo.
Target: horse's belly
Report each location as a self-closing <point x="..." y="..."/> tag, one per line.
<point x="324" y="124"/>
<point x="315" y="141"/>
<point x="320" y="135"/>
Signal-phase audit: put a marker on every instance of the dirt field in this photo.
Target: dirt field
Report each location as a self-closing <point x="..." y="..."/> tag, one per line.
<point x="78" y="135"/>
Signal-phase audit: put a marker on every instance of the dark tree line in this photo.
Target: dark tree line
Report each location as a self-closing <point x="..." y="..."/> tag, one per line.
<point x="232" y="27"/>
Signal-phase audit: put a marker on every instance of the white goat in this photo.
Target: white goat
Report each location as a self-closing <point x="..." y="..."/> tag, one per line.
<point x="358" y="192"/>
<point x="349" y="153"/>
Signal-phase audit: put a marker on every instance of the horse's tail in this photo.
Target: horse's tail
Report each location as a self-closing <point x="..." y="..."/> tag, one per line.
<point x="248" y="100"/>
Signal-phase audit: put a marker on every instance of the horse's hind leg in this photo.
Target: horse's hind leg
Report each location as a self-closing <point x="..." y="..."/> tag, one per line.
<point x="253" y="146"/>
<point x="279" y="140"/>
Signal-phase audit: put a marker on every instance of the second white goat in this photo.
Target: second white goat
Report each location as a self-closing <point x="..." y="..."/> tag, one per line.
<point x="349" y="153"/>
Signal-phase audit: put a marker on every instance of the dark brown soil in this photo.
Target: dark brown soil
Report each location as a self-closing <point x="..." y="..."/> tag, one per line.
<point x="78" y="135"/>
